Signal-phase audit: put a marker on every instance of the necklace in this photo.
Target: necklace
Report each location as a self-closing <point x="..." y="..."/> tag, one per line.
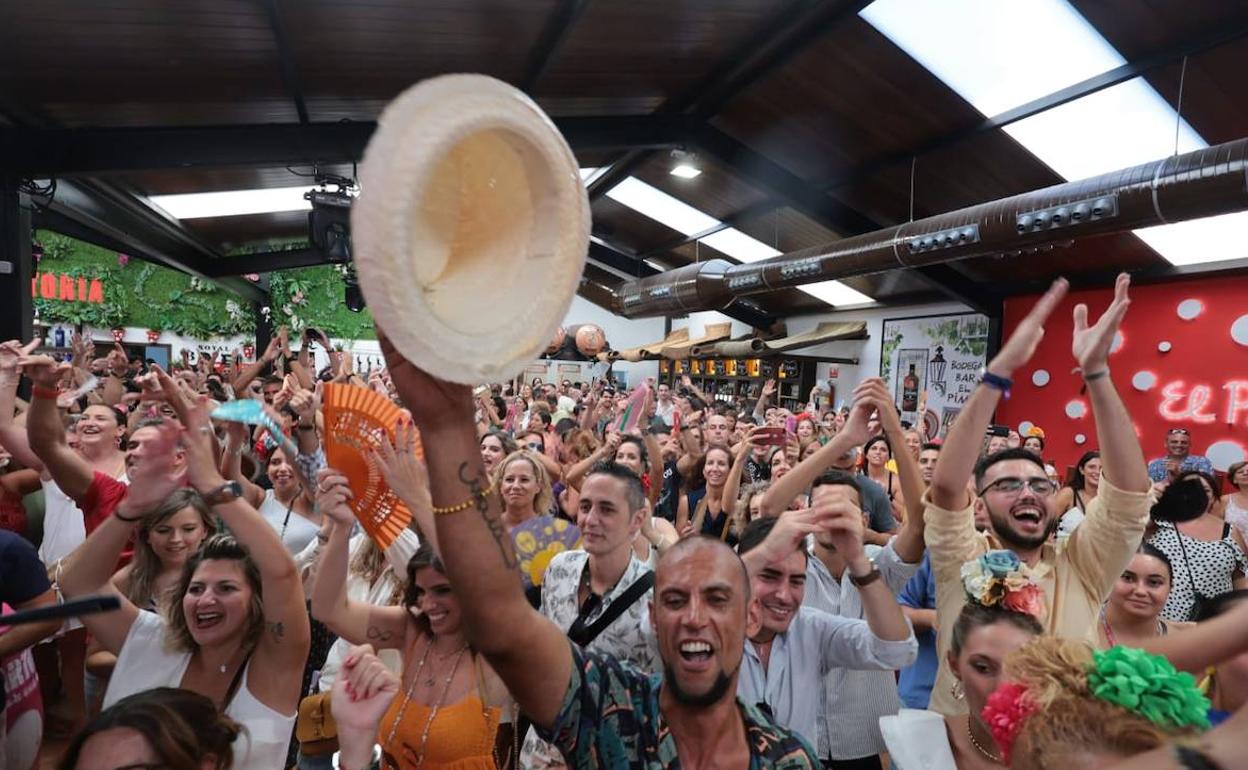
<point x="433" y="713"/>
<point x="996" y="760"/>
<point x="1109" y="632"/>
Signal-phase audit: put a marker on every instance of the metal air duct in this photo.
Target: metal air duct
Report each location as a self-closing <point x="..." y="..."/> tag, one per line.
<point x="1197" y="184"/>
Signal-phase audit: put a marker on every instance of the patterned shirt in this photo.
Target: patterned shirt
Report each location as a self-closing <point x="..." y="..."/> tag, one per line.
<point x="610" y="718"/>
<point x="624" y="639"/>
<point x="1157" y="468"/>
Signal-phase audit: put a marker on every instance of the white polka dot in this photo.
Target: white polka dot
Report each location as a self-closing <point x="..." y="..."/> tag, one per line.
<point x="1190" y="308"/>
<point x="1040" y="378"/>
<point x="1164" y="347"/>
<point x="1239" y="330"/>
<point x="1081" y="439"/>
<point x="1223" y="454"/>
<point x="1076" y="409"/>
<point x="1024" y="427"/>
<point x="1117" y="343"/>
<point x="1144" y="380"/>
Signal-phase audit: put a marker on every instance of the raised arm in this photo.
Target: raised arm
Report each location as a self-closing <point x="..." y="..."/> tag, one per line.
<point x="477" y="550"/>
<point x="961" y="449"/>
<point x="760" y="408"/>
<point x="732" y="484"/>
<point x="687" y="381"/>
<point x="253" y="370"/>
<point x="236" y="440"/>
<point x="46" y="433"/>
<point x="13" y="436"/>
<point x="654" y="454"/>
<point x="1121" y="457"/>
<point x="576" y="473"/>
<point x="909" y="540"/>
<point x="844" y="527"/>
<point x="357" y="622"/>
<point x="783" y="491"/>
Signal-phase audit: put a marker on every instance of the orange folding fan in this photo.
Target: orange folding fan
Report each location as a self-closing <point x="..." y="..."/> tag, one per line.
<point x="357" y="420"/>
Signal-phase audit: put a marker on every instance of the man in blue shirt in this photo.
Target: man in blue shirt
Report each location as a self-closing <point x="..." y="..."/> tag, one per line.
<point x="918" y="603"/>
<point x="1178" y="456"/>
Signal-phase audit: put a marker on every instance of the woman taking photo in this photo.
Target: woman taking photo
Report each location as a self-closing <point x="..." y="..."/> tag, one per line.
<point x="1073" y="500"/>
<point x="1132" y="614"/>
<point x="288" y="507"/>
<point x="1206" y="553"/>
<point x="447" y="710"/>
<point x="703" y="510"/>
<point x="236" y="631"/>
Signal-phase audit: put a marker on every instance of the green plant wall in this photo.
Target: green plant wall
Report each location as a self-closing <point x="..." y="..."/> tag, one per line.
<point x="137" y="293"/>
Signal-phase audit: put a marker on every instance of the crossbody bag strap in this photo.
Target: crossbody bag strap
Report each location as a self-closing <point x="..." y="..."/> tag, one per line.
<point x="584" y="634"/>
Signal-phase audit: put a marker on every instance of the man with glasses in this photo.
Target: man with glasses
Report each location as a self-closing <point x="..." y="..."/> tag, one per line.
<point x="1178" y="457"/>
<point x="1019" y="498"/>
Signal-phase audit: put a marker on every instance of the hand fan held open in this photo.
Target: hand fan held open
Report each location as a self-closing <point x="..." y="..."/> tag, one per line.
<point x="471" y="229"/>
<point x="357" y="420"/>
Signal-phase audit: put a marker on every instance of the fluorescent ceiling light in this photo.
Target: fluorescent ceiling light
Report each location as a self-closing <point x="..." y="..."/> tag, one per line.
<point x="999" y="55"/>
<point x="586" y="173"/>
<point x="234" y="202"/>
<point x="661" y="207"/>
<point x="739" y="246"/>
<point x="685" y="171"/>
<point x="836" y="293"/>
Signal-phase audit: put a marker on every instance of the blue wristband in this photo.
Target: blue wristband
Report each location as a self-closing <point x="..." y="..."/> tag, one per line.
<point x="1003" y="384"/>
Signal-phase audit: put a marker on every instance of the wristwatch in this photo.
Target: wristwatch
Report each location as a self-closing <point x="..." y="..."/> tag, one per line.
<point x="226" y="493"/>
<point x="866" y="579"/>
<point x="374" y="763"/>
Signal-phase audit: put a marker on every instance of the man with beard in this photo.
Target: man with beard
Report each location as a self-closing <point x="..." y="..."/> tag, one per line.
<point x="597" y="711"/>
<point x="1019" y="498"/>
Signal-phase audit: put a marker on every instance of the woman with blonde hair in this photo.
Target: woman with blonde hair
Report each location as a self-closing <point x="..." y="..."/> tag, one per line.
<point x="527" y="496"/>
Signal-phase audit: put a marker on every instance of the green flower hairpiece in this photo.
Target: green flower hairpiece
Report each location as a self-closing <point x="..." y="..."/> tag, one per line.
<point x="1148" y="685"/>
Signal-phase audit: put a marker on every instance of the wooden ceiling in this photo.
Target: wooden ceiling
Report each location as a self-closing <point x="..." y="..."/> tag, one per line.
<point x="807" y="123"/>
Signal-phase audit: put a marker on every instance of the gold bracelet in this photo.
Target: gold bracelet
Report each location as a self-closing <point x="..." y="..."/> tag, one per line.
<point x="465" y="505"/>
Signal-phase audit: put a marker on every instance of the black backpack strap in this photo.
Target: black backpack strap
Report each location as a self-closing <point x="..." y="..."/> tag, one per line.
<point x="584" y="634"/>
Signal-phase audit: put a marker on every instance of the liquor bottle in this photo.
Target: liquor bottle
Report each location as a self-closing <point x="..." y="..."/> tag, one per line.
<point x="910" y="391"/>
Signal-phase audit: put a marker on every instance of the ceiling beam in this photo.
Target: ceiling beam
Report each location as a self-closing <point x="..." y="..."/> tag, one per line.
<point x="785" y="35"/>
<point x="265" y="262"/>
<point x="558" y="29"/>
<point x="290" y="73"/>
<point x="122" y="220"/>
<point x="83" y="151"/>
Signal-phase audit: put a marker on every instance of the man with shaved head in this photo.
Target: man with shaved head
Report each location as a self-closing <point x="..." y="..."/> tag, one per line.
<point x="598" y="711"/>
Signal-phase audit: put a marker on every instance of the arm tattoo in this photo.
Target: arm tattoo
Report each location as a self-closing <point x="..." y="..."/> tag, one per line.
<point x="378" y="635"/>
<point x="502" y="537"/>
<point x="277" y="629"/>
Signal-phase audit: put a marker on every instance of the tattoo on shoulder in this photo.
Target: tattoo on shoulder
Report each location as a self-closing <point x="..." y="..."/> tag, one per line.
<point x="502" y="537"/>
<point x="378" y="635"/>
<point x="277" y="629"/>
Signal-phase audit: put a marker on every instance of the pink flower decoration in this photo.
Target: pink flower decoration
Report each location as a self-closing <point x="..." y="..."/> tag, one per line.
<point x="1028" y="599"/>
<point x="123" y="259"/>
<point x="1005" y="714"/>
<point x="253" y="277"/>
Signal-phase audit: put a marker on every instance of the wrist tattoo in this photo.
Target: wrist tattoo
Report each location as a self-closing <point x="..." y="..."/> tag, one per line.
<point x="502" y="537"/>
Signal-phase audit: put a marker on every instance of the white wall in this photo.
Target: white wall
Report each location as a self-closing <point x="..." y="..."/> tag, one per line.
<point x="866" y="351"/>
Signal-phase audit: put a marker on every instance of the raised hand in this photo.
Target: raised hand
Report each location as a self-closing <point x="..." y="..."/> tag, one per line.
<point x="10" y="354"/>
<point x="306" y="403"/>
<point x="1090" y="344"/>
<point x="44" y="371"/>
<point x="769" y="389"/>
<point x="192" y="410"/>
<point x="333" y="493"/>
<point x="840" y="521"/>
<point x="1021" y="345"/>
<point x="403" y="471"/>
<point x="362" y="692"/>
<point x="153" y="474"/>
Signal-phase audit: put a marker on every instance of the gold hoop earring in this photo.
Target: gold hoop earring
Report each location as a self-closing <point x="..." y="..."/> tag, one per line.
<point x="957" y="691"/>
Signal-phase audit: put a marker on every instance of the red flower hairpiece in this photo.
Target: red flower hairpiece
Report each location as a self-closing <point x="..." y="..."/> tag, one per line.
<point x="1005" y="713"/>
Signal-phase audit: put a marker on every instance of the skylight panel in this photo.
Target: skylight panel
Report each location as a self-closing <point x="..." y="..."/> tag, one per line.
<point x="234" y="203"/>
<point x="661" y="207"/>
<point x="1211" y="239"/>
<point x="836" y="293"/>
<point x="739" y="246"/>
<point x="997" y="54"/>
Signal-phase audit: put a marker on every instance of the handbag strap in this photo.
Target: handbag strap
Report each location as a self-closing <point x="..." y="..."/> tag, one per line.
<point x="1186" y="564"/>
<point x="584" y="634"/>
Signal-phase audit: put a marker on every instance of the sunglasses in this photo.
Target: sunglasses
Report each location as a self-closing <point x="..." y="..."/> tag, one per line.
<point x="1177" y="432"/>
<point x="1042" y="487"/>
<point x="536" y="447"/>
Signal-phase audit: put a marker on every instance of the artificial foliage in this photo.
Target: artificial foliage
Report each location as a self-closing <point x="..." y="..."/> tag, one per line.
<point x="141" y="294"/>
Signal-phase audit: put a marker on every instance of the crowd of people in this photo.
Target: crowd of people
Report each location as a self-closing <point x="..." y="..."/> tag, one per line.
<point x="598" y="577"/>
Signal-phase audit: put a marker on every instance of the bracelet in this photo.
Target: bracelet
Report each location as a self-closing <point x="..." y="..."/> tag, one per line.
<point x="127" y="519"/>
<point x="1003" y="384"/>
<point x="1094" y="376"/>
<point x="479" y="495"/>
<point x="301" y="426"/>
<point x="38" y="391"/>
<point x="1192" y="759"/>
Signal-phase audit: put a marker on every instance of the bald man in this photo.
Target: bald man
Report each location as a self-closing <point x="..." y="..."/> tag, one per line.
<point x="599" y="712"/>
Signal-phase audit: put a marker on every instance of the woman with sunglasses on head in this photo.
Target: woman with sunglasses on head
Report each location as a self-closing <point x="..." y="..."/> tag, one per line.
<point x="1073" y="500"/>
<point x="1207" y="555"/>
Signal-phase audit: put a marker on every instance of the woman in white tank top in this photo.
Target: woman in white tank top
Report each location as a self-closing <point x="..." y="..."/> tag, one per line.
<point x="237" y="632"/>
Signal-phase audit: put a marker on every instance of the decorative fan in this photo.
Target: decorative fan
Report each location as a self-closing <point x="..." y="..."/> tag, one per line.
<point x="539" y="540"/>
<point x="251" y="412"/>
<point x="357" y="420"/>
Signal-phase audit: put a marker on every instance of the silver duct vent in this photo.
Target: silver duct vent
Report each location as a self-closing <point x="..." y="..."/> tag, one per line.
<point x="1197" y="184"/>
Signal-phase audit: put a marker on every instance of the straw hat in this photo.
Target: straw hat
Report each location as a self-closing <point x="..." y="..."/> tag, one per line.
<point x="471" y="229"/>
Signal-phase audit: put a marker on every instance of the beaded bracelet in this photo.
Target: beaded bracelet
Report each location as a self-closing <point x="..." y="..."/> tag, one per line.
<point x="465" y="505"/>
<point x="38" y="391"/>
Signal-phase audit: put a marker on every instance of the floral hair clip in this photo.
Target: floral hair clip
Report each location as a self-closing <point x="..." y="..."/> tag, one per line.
<point x="999" y="579"/>
<point x="1005" y="713"/>
<point x="1148" y="685"/>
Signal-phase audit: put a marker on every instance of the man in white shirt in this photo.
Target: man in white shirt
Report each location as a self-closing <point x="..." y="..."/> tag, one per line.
<point x="664" y="405"/>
